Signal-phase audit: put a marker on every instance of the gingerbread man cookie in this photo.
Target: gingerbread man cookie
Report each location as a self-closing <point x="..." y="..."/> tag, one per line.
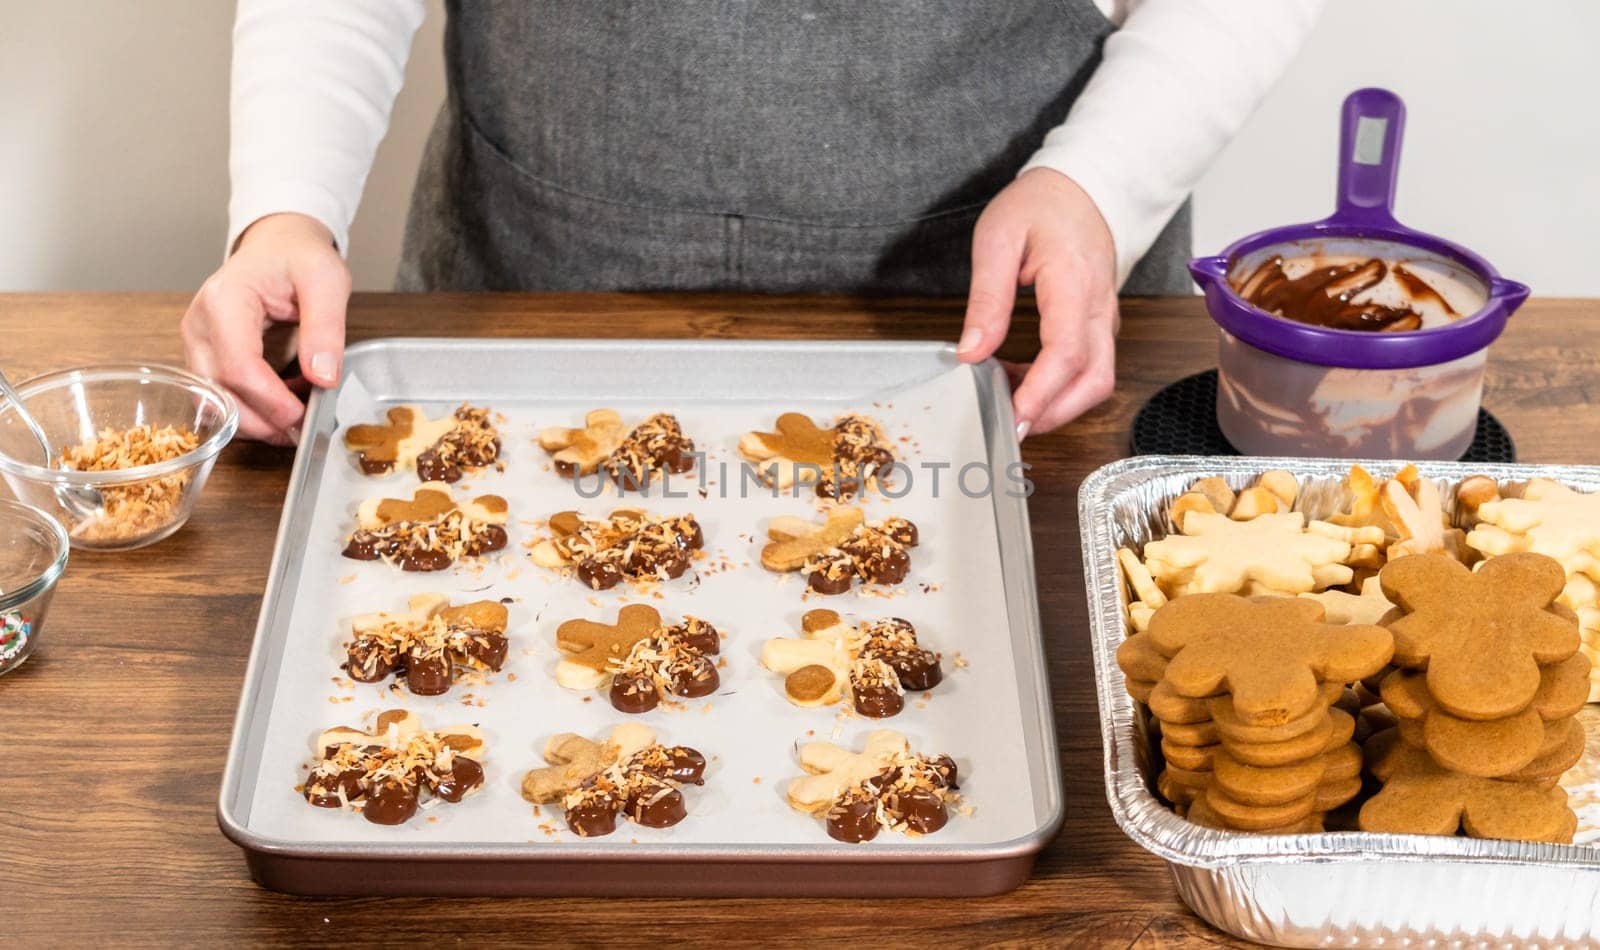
<point x="844" y="547"/>
<point x="428" y="643"/>
<point x="849" y="457"/>
<point x="580" y="451"/>
<point x="639" y="658"/>
<point x="883" y="786"/>
<point x="1481" y="636"/>
<point x="1489" y="748"/>
<point x="385" y="770"/>
<point x="429" y="531"/>
<point x="441" y="449"/>
<point x="630" y="457"/>
<point x="1419" y="796"/>
<point x="627" y="544"/>
<point x="1201" y="812"/>
<point x="1269" y="653"/>
<point x="629" y="775"/>
<point x="1281" y="784"/>
<point x="1142" y="663"/>
<point x="876" y="662"/>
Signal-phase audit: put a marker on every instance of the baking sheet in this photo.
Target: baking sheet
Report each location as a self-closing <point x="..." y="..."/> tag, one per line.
<point x="957" y="597"/>
<point x="1337" y="888"/>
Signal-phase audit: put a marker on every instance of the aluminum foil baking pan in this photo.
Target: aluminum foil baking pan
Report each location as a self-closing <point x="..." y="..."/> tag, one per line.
<point x="1333" y="889"/>
<point x="976" y="550"/>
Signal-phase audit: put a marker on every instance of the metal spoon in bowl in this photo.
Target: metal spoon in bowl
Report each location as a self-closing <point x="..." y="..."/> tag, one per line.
<point x="80" y="501"/>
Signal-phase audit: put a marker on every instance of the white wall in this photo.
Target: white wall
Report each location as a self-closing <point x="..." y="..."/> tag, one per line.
<point x="113" y="138"/>
<point x="114" y="145"/>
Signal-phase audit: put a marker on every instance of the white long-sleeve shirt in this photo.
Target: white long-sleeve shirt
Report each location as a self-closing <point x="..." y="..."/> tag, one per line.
<point x="314" y="83"/>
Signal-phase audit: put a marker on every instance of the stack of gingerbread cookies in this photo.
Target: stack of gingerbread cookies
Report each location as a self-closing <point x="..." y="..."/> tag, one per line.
<point x="1247" y="694"/>
<point x="1492" y="605"/>
<point x="1488" y="683"/>
<point x="1552" y="519"/>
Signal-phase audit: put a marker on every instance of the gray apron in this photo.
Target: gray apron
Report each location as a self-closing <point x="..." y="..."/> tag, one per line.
<point x="763" y="145"/>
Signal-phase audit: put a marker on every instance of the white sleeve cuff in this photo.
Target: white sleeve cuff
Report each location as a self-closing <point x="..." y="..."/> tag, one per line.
<point x="247" y="206"/>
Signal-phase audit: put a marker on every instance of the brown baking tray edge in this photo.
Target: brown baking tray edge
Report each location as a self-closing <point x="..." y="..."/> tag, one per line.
<point x="626" y="877"/>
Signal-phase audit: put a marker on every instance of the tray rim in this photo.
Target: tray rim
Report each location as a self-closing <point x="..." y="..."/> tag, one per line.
<point x="1151" y="824"/>
<point x="990" y="380"/>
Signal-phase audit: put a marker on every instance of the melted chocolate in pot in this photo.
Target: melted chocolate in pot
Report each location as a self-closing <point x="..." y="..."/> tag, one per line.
<point x="1325" y="296"/>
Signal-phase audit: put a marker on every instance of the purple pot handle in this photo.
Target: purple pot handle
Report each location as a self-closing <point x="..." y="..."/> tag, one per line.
<point x="1373" y="124"/>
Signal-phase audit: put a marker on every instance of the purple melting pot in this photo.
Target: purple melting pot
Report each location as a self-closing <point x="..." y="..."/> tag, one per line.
<point x="1287" y="387"/>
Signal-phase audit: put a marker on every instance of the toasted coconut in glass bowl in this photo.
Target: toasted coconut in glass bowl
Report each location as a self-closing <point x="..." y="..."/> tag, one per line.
<point x="133" y="446"/>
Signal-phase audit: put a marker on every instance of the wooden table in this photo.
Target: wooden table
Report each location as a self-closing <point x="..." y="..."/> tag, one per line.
<point x="114" y="733"/>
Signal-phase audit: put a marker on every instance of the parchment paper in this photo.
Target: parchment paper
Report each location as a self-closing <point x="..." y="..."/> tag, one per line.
<point x="954" y="597"/>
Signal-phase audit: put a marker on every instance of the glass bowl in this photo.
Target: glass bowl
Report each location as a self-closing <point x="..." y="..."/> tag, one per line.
<point x="126" y="508"/>
<point x="33" y="553"/>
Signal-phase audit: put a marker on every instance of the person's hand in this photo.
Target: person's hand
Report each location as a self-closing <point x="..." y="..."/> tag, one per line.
<point x="284" y="271"/>
<point x="1044" y="231"/>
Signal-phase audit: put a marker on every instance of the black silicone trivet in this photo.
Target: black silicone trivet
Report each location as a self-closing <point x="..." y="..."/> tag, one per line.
<point x="1182" y="420"/>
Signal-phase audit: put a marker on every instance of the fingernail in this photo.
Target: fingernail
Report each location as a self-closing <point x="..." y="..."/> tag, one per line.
<point x="969" y="339"/>
<point x="294" y="434"/>
<point x="1022" y="429"/>
<point x="324" y="366"/>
